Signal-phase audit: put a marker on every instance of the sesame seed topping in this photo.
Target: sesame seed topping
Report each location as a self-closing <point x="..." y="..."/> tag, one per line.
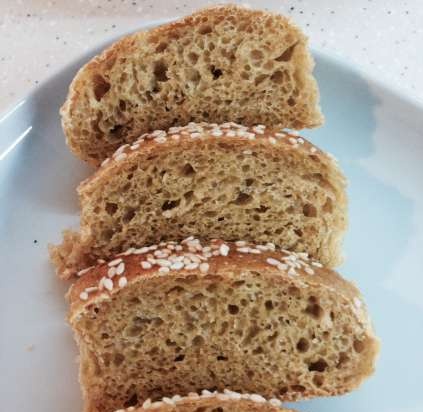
<point x="146" y="265"/>
<point x="224" y="249"/>
<point x="108" y="284"/>
<point x="111" y="272"/>
<point x="292" y="140"/>
<point x="273" y="262"/>
<point x="313" y="150"/>
<point x="164" y="269"/>
<point x="120" y="157"/>
<point x="84" y="271"/>
<point x="83" y="296"/>
<point x="122" y="282"/>
<point x="272" y="140"/>
<point x="104" y="162"/>
<point x="120" y="268"/>
<point x="114" y="262"/>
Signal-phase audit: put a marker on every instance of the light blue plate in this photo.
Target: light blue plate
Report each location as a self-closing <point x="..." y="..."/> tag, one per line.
<point x="375" y="133"/>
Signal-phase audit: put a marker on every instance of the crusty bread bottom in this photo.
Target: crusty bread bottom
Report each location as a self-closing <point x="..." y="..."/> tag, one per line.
<point x="248" y="332"/>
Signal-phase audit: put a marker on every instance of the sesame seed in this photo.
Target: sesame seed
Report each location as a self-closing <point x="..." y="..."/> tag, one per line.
<point x="175" y="136"/>
<point x="146" y="403"/>
<point x="123" y="282"/>
<point x="195" y="135"/>
<point x="313" y="150"/>
<point x="83" y="296"/>
<point x="240" y="243"/>
<point x="280" y="135"/>
<point x="104" y="162"/>
<point x="273" y="262"/>
<point x="247" y="152"/>
<point x="135" y="146"/>
<point x="160" y="139"/>
<point x="108" y="284"/>
<point x="120" y="269"/>
<point x="300" y="140"/>
<point x="230" y="133"/>
<point x="146" y="265"/>
<point x="224" y="249"/>
<point x="191" y="266"/>
<point x="120" y="157"/>
<point x="257" y="398"/>
<point x="163" y="262"/>
<point x="164" y="269"/>
<point x="309" y="270"/>
<point x="177" y="265"/>
<point x="91" y="289"/>
<point x="111" y="272"/>
<point x="168" y="401"/>
<point x="292" y="140"/>
<point x="243" y="249"/>
<point x="114" y="262"/>
<point x="317" y="264"/>
<point x="84" y="271"/>
<point x="292" y="271"/>
<point x="216" y="133"/>
<point x="272" y="140"/>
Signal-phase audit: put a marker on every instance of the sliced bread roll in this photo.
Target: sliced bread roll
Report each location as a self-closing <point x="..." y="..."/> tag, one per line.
<point x="226" y="401"/>
<point x="180" y="317"/>
<point x="224" y="63"/>
<point x="228" y="181"/>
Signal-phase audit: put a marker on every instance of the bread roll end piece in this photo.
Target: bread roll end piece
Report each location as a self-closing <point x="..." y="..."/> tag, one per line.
<point x="224" y="63"/>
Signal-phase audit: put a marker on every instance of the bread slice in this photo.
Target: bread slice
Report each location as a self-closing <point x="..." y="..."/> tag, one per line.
<point x="181" y="317"/>
<point x="224" y="63"/>
<point x="226" y="401"/>
<point x="227" y="181"/>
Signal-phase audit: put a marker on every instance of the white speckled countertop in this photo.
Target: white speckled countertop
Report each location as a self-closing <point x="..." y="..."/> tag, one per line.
<point x="38" y="37"/>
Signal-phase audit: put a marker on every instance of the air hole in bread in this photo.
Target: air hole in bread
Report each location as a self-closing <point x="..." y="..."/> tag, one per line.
<point x="161" y="47"/>
<point x="291" y="101"/>
<point x="122" y="105"/>
<point x="243" y="199"/>
<point x="277" y="77"/>
<point x="268" y="305"/>
<point x="358" y="345"/>
<point x="318" y="380"/>
<point x="170" y="204"/>
<point x="116" y="130"/>
<point x="318" y="366"/>
<point x="303" y="345"/>
<point x="128" y="216"/>
<point x="287" y="54"/>
<point x="257" y="351"/>
<point x="198" y="341"/>
<point x="221" y="358"/>
<point x="298" y="388"/>
<point x="132" y="401"/>
<point x="193" y="75"/>
<point x="187" y="170"/>
<point x="160" y="71"/>
<point x="298" y="232"/>
<point x="193" y="57"/>
<point x="205" y="29"/>
<point x="342" y="360"/>
<point x="118" y="359"/>
<point x="256" y="54"/>
<point x="179" y="358"/>
<point x="309" y="210"/>
<point x="111" y="208"/>
<point x="215" y="72"/>
<point x="249" y="182"/>
<point x="233" y="309"/>
<point x="314" y="310"/>
<point x="283" y="390"/>
<point x="260" y="79"/>
<point x="101" y="86"/>
<point x="328" y="206"/>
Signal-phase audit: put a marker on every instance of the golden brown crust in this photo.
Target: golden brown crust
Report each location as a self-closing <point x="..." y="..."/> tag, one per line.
<point x="82" y="102"/>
